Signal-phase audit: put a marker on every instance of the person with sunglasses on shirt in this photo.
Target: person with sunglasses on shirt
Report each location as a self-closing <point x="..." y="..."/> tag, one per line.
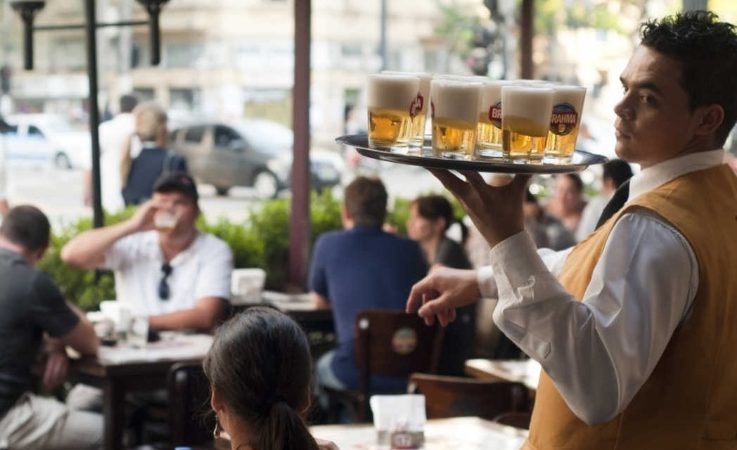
<point x="165" y="268"/>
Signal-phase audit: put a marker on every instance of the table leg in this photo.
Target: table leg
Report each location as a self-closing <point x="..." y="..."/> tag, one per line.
<point x="114" y="415"/>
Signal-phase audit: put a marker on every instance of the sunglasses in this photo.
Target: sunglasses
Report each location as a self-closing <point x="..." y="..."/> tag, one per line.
<point x="164" y="290"/>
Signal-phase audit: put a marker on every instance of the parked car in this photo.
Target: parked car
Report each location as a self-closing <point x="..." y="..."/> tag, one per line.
<point x="35" y="139"/>
<point x="252" y="153"/>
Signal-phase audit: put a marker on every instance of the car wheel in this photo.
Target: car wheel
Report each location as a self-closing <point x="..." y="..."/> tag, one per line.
<point x="61" y="161"/>
<point x="266" y="185"/>
<point x="221" y="191"/>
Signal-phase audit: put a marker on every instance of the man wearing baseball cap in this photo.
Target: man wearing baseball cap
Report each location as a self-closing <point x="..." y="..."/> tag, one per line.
<point x="165" y="268"/>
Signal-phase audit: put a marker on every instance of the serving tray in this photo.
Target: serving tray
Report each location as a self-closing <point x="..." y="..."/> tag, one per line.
<point x="424" y="157"/>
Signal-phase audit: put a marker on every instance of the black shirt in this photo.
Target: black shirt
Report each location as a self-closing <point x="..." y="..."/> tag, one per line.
<point x="146" y="168"/>
<point x="31" y="304"/>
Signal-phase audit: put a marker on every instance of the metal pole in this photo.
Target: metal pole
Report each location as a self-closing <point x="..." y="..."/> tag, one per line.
<point x="98" y="219"/>
<point x="382" y="42"/>
<point x="299" y="223"/>
<point x="526" y="34"/>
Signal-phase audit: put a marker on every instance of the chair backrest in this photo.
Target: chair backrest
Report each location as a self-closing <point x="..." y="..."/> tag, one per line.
<point x="457" y="396"/>
<point x="394" y="343"/>
<point x="189" y="394"/>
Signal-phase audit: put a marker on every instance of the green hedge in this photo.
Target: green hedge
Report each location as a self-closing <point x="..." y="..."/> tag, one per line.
<point x="262" y="241"/>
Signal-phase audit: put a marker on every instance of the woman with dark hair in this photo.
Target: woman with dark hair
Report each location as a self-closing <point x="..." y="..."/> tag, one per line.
<point x="567" y="202"/>
<point x="430" y="216"/>
<point x="260" y="369"/>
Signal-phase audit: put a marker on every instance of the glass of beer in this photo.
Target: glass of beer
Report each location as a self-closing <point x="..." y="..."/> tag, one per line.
<point x="390" y="100"/>
<point x="489" y="139"/>
<point x="525" y="121"/>
<point x="165" y="221"/>
<point x="454" y="109"/>
<point x="419" y="107"/>
<point x="565" y="122"/>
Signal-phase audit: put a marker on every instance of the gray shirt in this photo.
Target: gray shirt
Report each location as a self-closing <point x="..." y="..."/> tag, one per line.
<point x="31" y="305"/>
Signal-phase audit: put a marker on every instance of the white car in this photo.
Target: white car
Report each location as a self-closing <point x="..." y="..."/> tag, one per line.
<point x="39" y="139"/>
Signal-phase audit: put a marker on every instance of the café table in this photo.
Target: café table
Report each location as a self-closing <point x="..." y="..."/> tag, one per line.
<point x="526" y="372"/>
<point x="121" y="369"/>
<point x="467" y="433"/>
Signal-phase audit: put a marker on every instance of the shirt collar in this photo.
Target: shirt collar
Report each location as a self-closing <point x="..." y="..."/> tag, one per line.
<point x="668" y="170"/>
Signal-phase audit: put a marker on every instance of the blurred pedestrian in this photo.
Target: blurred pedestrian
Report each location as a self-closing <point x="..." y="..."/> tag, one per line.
<point x="139" y="173"/>
<point x="114" y="136"/>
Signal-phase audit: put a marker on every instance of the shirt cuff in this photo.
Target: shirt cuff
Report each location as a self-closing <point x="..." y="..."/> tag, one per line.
<point x="516" y="258"/>
<point x="485" y="280"/>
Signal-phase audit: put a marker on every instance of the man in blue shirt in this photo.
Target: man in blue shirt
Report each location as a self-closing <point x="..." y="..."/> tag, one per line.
<point x="361" y="267"/>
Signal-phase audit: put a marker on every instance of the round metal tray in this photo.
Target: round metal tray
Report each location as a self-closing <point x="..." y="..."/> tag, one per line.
<point x="424" y="157"/>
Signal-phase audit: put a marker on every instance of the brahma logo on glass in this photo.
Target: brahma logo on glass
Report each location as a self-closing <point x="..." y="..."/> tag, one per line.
<point x="564" y="119"/>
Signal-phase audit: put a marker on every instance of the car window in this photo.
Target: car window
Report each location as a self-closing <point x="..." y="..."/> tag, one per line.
<point x="225" y="137"/>
<point x="34" y="131"/>
<point x="266" y="137"/>
<point x="194" y="134"/>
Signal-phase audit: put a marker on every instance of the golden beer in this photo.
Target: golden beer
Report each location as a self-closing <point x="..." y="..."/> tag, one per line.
<point x="523" y="138"/>
<point x="389" y="128"/>
<point x="454" y="109"/>
<point x="565" y="122"/>
<point x="390" y="100"/>
<point x="419" y="108"/>
<point x="453" y="138"/>
<point x="489" y="133"/>
<point x="525" y="121"/>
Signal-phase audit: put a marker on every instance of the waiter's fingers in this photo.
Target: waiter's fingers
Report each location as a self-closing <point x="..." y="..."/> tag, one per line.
<point x="450" y="181"/>
<point x="520" y="182"/>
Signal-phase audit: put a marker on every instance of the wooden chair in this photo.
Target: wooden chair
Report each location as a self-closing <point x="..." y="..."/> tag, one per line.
<point x="389" y="343"/>
<point x="189" y="395"/>
<point x="457" y="396"/>
<point x="515" y="419"/>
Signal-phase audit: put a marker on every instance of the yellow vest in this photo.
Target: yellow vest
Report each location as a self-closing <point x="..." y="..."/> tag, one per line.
<point x="690" y="400"/>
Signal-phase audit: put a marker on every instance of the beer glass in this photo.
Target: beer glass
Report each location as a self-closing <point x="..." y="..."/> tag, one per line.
<point x="454" y="108"/>
<point x="419" y="107"/>
<point x="525" y="121"/>
<point x="390" y="100"/>
<point x="489" y="133"/>
<point x="565" y="122"/>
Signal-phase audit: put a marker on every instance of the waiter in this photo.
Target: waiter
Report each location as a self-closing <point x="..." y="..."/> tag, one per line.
<point x="635" y="327"/>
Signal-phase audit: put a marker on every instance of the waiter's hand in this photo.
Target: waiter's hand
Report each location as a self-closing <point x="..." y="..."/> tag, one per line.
<point x="496" y="211"/>
<point x="442" y="291"/>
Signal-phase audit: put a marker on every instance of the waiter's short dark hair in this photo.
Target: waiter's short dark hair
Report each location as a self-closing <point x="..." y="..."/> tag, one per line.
<point x="365" y="200"/>
<point x="707" y="52"/>
<point x="27" y="226"/>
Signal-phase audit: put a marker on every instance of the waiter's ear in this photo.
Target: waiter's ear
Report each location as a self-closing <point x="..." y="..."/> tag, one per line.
<point x="708" y="119"/>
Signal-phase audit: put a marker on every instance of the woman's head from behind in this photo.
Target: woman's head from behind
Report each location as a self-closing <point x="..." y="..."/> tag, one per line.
<point x="259" y="368"/>
<point x="429" y="217"/>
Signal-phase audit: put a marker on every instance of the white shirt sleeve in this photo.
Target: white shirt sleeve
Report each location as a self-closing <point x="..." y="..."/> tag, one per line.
<point x="553" y="261"/>
<point x="213" y="278"/>
<point x="599" y="351"/>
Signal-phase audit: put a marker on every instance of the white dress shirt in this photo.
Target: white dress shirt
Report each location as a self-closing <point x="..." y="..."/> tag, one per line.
<point x="600" y="351"/>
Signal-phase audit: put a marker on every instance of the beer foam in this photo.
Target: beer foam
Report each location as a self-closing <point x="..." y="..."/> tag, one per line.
<point x="573" y="95"/>
<point x="533" y="103"/>
<point x="452" y="99"/>
<point x="425" y="79"/>
<point x="491" y="93"/>
<point x="392" y="91"/>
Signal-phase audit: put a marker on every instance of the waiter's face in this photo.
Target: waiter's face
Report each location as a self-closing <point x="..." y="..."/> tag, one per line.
<point x="654" y="122"/>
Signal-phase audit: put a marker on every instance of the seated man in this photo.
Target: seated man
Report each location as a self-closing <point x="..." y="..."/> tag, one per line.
<point x="165" y="269"/>
<point x="361" y="268"/>
<point x="34" y="309"/>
